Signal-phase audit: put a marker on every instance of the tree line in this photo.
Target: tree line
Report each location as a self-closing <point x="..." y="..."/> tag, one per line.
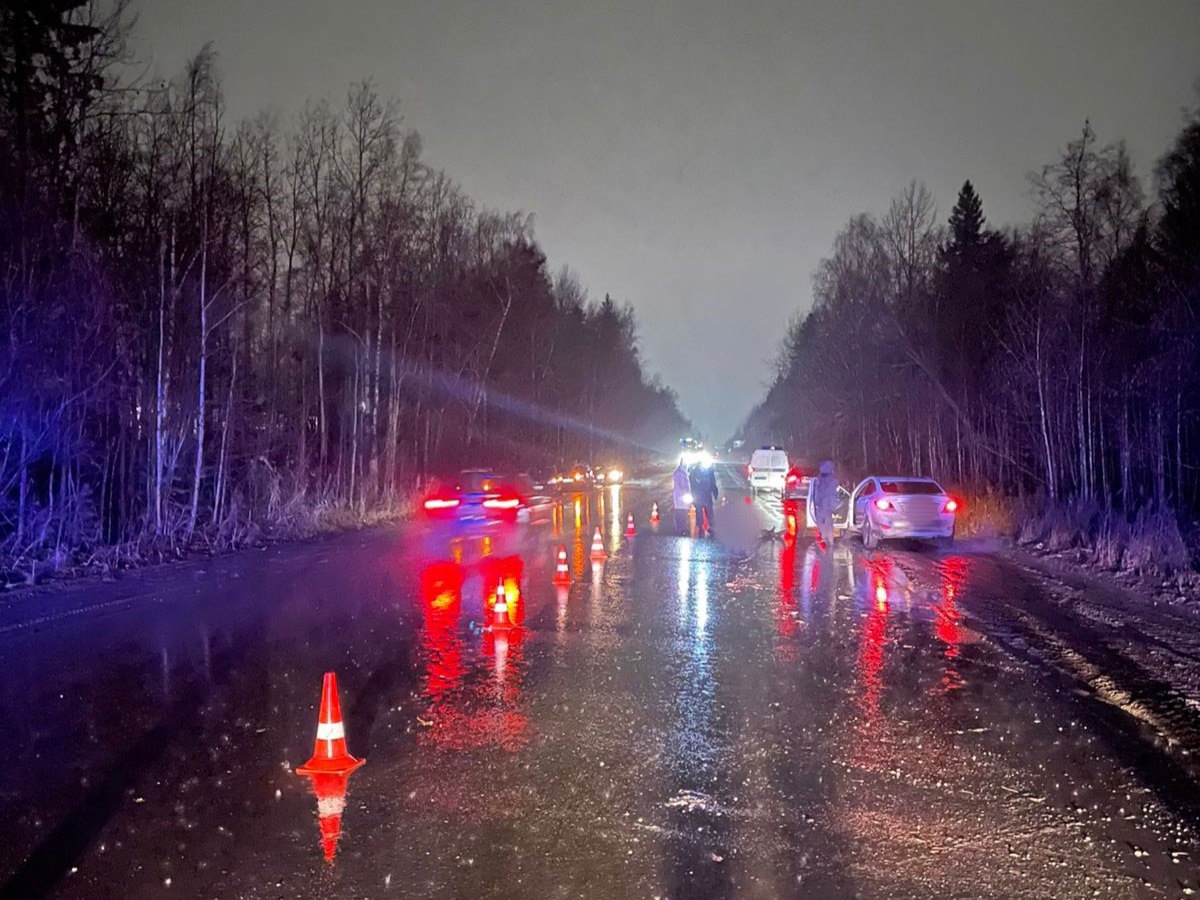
<point x="1055" y="360"/>
<point x="211" y="325"/>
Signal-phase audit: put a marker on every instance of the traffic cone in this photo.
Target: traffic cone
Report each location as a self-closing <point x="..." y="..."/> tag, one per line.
<point x="562" y="574"/>
<point x="630" y="531"/>
<point x="500" y="620"/>
<point x="654" y="513"/>
<point x="598" y="547"/>
<point x="330" y="791"/>
<point x="330" y="756"/>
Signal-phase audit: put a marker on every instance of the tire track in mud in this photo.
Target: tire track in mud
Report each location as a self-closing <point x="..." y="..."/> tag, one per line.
<point x="1147" y="722"/>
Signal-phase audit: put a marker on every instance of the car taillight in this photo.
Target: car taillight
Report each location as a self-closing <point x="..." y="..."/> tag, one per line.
<point x="749" y="470"/>
<point x="951" y="506"/>
<point x="792" y="479"/>
<point x="502" y="503"/>
<point x="441" y="503"/>
<point x="883" y="504"/>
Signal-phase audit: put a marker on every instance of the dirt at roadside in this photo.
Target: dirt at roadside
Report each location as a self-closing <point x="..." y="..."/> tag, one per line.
<point x="1154" y="622"/>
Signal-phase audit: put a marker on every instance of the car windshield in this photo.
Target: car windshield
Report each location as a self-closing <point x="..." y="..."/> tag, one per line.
<point x="476" y="482"/>
<point x="910" y="487"/>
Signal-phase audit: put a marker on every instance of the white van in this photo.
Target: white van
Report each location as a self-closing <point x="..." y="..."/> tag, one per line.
<point x="768" y="470"/>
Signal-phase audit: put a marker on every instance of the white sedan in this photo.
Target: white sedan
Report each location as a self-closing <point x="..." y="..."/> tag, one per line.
<point x="906" y="506"/>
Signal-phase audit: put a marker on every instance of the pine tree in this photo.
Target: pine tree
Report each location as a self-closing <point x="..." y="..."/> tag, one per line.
<point x="966" y="219"/>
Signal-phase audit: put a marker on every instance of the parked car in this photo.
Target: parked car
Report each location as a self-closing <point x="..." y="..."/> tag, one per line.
<point x="882" y="508"/>
<point x="768" y="470"/>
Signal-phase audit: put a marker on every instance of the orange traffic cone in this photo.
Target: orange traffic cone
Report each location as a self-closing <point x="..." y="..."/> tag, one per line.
<point x="562" y="574"/>
<point x="630" y="531"/>
<point x="330" y="756"/>
<point x="598" y="547"/>
<point x="330" y="791"/>
<point x="654" y="513"/>
<point x="500" y="620"/>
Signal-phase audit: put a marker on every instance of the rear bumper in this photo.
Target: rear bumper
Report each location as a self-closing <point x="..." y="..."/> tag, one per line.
<point x="767" y="483"/>
<point x="920" y="531"/>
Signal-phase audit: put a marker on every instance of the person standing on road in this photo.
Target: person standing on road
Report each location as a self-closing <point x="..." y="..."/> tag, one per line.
<point x="824" y="500"/>
<point x="681" y="497"/>
<point x="704" y="490"/>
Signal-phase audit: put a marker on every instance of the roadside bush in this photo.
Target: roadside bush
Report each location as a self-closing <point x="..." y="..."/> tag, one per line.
<point x="1151" y="543"/>
<point x="987" y="515"/>
<point x="1156" y="544"/>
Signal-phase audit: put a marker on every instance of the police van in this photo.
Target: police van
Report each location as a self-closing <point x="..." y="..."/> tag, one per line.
<point x="768" y="470"/>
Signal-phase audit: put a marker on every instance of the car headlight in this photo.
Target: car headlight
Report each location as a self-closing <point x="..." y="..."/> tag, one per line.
<point x="615" y="475"/>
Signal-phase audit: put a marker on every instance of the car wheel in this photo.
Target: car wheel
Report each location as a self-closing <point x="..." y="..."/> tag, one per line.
<point x="869" y="539"/>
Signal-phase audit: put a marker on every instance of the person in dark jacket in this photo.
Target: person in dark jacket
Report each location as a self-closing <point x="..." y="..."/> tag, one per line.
<point x="704" y="491"/>
<point x="824" y="500"/>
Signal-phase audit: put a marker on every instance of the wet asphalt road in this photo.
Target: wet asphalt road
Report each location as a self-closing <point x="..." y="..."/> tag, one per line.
<point x="691" y="719"/>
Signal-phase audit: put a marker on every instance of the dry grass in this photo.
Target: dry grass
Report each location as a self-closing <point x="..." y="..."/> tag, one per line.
<point x="280" y="510"/>
<point x="1150" y="543"/>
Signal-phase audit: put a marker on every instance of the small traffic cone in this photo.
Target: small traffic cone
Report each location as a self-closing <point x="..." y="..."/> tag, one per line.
<point x="598" y="547"/>
<point x="630" y="531"/>
<point x="500" y="620"/>
<point x="654" y="513"/>
<point x="562" y="574"/>
<point x="330" y="756"/>
<point x="330" y="791"/>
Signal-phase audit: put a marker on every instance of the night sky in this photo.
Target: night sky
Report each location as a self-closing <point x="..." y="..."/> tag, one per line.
<point x="696" y="159"/>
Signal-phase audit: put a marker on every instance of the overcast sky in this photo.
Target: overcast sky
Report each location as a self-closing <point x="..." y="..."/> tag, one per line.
<point x="697" y="158"/>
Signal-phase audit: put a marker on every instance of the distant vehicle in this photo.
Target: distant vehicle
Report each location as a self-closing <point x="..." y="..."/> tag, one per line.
<point x="795" y="497"/>
<point x="768" y="470"/>
<point x="882" y="508"/>
<point x="608" y="475"/>
<point x="536" y="503"/>
<point x="795" y="485"/>
<point x="691" y="451"/>
<point x="476" y="495"/>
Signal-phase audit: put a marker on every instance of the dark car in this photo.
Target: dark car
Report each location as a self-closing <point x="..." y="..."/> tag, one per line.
<point x="536" y="503"/>
<point x="476" y="495"/>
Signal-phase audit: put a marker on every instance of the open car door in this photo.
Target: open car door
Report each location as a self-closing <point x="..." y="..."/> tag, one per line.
<point x="841" y="512"/>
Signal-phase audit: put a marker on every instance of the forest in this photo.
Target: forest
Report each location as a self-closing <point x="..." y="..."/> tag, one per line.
<point x="1049" y="370"/>
<point x="215" y="329"/>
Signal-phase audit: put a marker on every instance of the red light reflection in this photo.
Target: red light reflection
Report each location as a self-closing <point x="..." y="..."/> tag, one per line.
<point x="948" y="619"/>
<point x="470" y="713"/>
<point x="441" y="593"/>
<point x="785" y="607"/>
<point x="874" y="637"/>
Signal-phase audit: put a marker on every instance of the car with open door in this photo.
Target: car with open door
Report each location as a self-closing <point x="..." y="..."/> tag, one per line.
<point x="907" y="506"/>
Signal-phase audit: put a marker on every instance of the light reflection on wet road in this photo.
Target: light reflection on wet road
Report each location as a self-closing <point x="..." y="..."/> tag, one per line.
<point x="683" y="720"/>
